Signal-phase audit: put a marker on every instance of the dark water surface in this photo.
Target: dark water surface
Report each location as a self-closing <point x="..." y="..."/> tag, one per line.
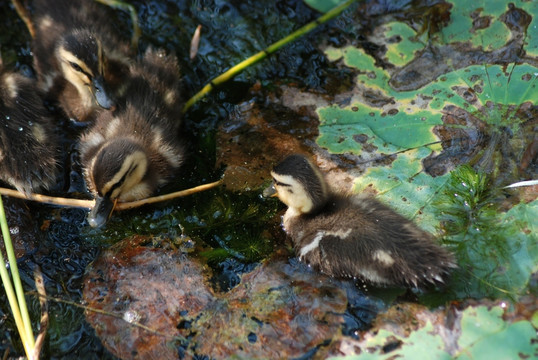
<point x="234" y="230"/>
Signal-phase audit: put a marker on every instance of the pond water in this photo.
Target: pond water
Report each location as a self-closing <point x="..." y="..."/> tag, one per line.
<point x="233" y="229"/>
<point x="239" y="264"/>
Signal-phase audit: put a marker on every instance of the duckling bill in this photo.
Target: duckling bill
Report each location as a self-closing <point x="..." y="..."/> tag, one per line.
<point x="354" y="236"/>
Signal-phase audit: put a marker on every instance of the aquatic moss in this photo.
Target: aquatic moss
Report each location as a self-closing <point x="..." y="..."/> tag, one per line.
<point x="496" y="252"/>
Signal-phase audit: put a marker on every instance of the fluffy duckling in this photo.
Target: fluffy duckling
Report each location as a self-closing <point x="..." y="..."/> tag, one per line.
<point x="28" y="143"/>
<point x="129" y="153"/>
<point x="79" y="61"/>
<point x="354" y="236"/>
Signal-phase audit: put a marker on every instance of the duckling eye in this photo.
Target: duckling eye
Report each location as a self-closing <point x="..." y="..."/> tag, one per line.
<point x="278" y="183"/>
<point x="75" y="66"/>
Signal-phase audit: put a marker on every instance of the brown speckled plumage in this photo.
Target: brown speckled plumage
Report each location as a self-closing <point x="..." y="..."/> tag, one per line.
<point x="28" y="142"/>
<point x="127" y="154"/>
<point x="356" y="236"/>
<point x="79" y="60"/>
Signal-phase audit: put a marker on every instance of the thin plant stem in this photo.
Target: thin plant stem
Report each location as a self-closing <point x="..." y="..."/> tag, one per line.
<point x="266" y="52"/>
<point x="17" y="302"/>
<point x="88" y="204"/>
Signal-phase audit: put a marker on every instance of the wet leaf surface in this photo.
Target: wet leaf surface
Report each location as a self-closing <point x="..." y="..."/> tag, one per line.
<point x="262" y="132"/>
<point x="278" y="310"/>
<point x="462" y="331"/>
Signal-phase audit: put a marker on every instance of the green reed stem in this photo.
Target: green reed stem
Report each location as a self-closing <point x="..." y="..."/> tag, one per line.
<point x="229" y="74"/>
<point x="16" y="302"/>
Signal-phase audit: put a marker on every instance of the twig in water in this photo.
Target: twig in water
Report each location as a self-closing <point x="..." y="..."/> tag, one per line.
<point x="88" y="204"/>
<point x="44" y="323"/>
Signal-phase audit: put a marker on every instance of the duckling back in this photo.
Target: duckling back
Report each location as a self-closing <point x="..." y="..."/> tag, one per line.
<point x="28" y="143"/>
<point x="360" y="237"/>
<point x="356" y="236"/>
<point x="127" y="154"/>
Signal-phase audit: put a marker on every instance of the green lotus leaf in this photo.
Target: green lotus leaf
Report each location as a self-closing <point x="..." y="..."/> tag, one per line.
<point x="420" y="344"/>
<point x="402" y="52"/>
<point x="492" y="34"/>
<point x="485" y="335"/>
<point x="405" y="187"/>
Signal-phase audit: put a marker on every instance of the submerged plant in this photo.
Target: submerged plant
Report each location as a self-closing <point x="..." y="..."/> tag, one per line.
<point x="491" y="257"/>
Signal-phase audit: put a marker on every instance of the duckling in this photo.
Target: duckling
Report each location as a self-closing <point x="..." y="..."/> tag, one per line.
<point x="28" y="143"/>
<point x="354" y="236"/>
<point x="127" y="154"/>
<point x="80" y="62"/>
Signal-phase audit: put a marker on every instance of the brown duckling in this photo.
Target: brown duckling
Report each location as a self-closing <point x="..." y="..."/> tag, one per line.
<point x="354" y="236"/>
<point x="80" y="62"/>
<point x="129" y="153"/>
<point x="28" y="142"/>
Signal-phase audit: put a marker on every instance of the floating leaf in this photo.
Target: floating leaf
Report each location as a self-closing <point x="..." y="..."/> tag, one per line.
<point x="484" y="335"/>
<point x="405" y="187"/>
<point x="455" y="94"/>
<point x="400" y="53"/>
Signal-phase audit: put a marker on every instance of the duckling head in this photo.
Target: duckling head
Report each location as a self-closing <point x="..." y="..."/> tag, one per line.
<point x="83" y="63"/>
<point x="299" y="184"/>
<point x="119" y="171"/>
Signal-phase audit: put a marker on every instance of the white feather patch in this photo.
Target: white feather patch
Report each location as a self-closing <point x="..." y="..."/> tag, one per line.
<point x="383" y="257"/>
<point x="342" y="234"/>
<point x="11" y="86"/>
<point x="373" y="276"/>
<point x="313" y="245"/>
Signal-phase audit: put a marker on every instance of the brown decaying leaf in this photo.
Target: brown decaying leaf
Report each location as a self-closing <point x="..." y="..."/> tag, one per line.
<point x="278" y="310"/>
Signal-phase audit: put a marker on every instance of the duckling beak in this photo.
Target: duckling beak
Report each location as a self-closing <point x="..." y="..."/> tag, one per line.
<point x="101" y="211"/>
<point x="98" y="88"/>
<point x="270" y="191"/>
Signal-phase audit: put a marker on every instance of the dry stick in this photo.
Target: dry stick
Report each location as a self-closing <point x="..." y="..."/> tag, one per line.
<point x="156" y="199"/>
<point x="104" y="312"/>
<point x="264" y="53"/>
<point x="195" y="42"/>
<point x="44" y="323"/>
<point x="88" y="204"/>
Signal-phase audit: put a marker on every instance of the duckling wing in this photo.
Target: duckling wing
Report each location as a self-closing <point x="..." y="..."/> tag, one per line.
<point x="28" y="143"/>
<point x="344" y="255"/>
<point x="389" y="259"/>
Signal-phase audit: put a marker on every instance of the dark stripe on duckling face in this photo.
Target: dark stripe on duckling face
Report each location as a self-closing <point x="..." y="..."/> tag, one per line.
<point x="120" y="167"/>
<point x="299" y="184"/>
<point x="84" y="46"/>
<point x="278" y="183"/>
<point x="118" y="184"/>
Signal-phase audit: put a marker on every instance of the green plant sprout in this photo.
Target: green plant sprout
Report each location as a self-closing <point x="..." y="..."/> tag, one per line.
<point x="494" y="255"/>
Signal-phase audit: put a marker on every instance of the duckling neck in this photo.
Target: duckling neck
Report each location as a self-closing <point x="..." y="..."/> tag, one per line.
<point x="326" y="204"/>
